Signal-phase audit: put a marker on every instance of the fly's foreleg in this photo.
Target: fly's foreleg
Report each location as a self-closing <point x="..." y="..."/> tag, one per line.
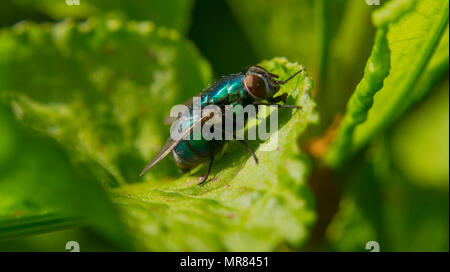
<point x="280" y="98"/>
<point x="249" y="150"/>
<point x="281" y="106"/>
<point x="273" y="102"/>
<point x="211" y="160"/>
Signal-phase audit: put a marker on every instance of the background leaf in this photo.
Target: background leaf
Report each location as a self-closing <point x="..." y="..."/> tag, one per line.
<point x="119" y="82"/>
<point x="420" y="154"/>
<point x="399" y="194"/>
<point x="321" y="34"/>
<point x="377" y="69"/>
<point x="273" y="29"/>
<point x="409" y="55"/>
<point x="41" y="192"/>
<point x="172" y="14"/>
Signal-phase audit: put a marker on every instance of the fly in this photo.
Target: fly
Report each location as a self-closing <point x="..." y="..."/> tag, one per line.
<point x="253" y="87"/>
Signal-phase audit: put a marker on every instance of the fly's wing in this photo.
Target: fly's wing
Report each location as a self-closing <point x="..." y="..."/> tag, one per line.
<point x="172" y="143"/>
<point x="188" y="103"/>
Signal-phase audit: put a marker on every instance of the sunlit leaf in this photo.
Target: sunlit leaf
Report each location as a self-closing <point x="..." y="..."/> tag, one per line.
<point x="410" y="52"/>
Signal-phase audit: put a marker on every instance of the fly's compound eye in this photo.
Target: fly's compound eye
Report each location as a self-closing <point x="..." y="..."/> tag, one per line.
<point x="256" y="85"/>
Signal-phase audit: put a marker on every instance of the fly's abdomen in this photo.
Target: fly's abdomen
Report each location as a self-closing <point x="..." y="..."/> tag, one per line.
<point x="190" y="153"/>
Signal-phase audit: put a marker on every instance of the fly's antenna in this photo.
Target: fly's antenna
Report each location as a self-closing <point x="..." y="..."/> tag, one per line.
<point x="282" y="82"/>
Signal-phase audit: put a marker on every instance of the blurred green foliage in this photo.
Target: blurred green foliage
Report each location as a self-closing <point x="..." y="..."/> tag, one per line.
<point x="172" y="13"/>
<point x="82" y="104"/>
<point x="105" y="95"/>
<point x="411" y="51"/>
<point x="323" y="35"/>
<point x="399" y="194"/>
<point x="392" y="65"/>
<point x="28" y="206"/>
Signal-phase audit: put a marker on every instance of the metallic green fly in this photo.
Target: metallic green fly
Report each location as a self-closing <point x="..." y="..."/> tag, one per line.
<point x="253" y="87"/>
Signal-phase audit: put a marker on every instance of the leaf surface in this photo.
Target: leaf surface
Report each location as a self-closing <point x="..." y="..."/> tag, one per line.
<point x="172" y="14"/>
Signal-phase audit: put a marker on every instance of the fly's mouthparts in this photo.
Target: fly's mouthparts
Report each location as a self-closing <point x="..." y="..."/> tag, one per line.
<point x="282" y="82"/>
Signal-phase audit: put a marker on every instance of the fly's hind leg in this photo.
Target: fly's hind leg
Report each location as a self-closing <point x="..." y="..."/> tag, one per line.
<point x="242" y="141"/>
<point x="249" y="150"/>
<point x="211" y="160"/>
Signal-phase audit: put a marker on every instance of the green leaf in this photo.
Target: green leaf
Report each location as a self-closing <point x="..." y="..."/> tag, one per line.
<point x="410" y="53"/>
<point x="347" y="55"/>
<point x="173" y="13"/>
<point x="435" y="70"/>
<point x="41" y="192"/>
<point x="377" y="69"/>
<point x="100" y="88"/>
<point x="244" y="207"/>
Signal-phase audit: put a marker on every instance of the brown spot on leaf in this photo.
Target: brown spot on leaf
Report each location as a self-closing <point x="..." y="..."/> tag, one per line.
<point x="18" y="213"/>
<point x="317" y="147"/>
<point x="200" y="178"/>
<point x="110" y="49"/>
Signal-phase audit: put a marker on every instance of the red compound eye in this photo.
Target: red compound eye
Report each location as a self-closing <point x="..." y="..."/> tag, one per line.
<point x="256" y="85"/>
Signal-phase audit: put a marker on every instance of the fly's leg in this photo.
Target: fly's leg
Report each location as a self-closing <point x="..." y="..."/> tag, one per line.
<point x="281" y="106"/>
<point x="273" y="102"/>
<point x="242" y="141"/>
<point x="211" y="154"/>
<point x="280" y="98"/>
<point x="249" y="150"/>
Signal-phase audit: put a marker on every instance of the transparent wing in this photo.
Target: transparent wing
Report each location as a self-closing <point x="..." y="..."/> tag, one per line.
<point x="188" y="103"/>
<point x="172" y="143"/>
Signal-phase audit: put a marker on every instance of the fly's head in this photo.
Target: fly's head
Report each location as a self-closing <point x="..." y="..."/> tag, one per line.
<point x="261" y="84"/>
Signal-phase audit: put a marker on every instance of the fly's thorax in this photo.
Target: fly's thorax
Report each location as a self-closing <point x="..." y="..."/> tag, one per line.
<point x="225" y="91"/>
